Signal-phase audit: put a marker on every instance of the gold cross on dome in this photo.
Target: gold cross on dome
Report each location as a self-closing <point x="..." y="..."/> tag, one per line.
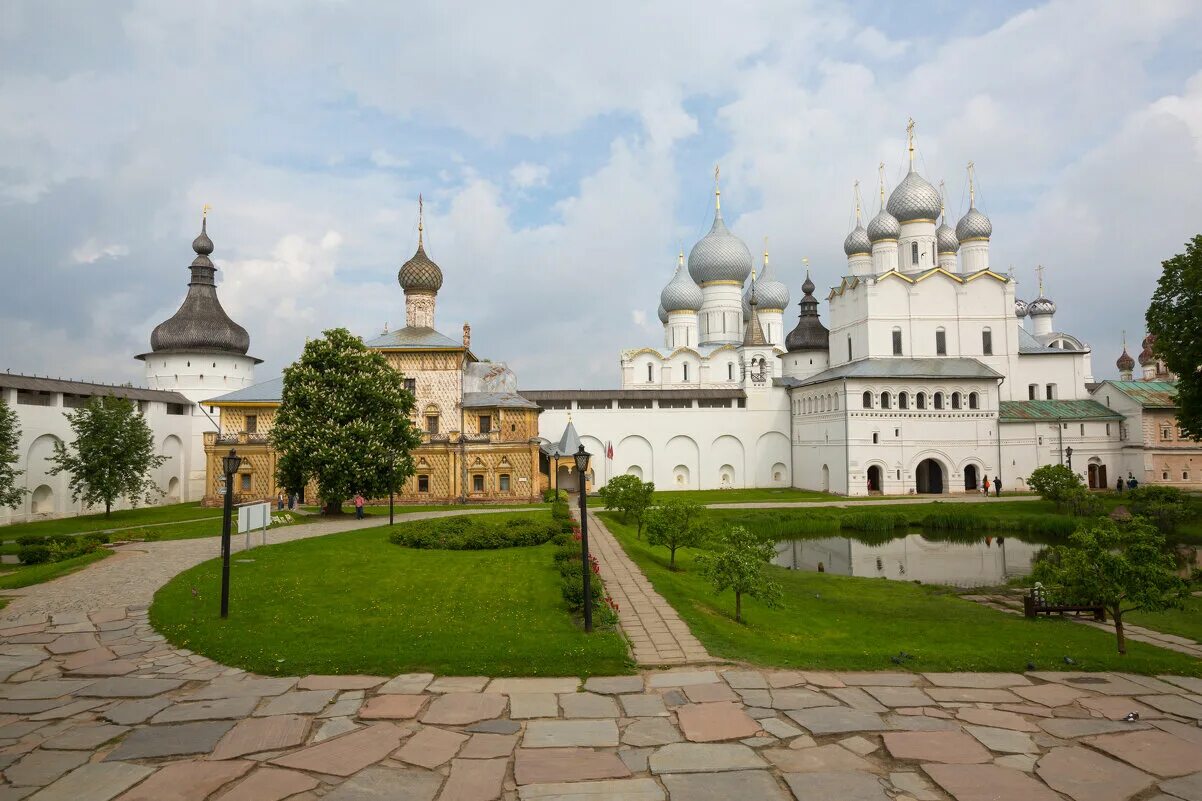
<point x="204" y="211"/>
<point x="910" y="139"/>
<point x="1039" y="271"/>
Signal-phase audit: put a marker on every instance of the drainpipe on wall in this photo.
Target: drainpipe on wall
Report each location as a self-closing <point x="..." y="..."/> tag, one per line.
<point x="846" y="439"/>
<point x="1060" y="435"/>
<point x="997" y="429"/>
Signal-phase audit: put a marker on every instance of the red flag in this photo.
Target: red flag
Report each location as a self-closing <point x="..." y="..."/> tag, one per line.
<point x="609" y="450"/>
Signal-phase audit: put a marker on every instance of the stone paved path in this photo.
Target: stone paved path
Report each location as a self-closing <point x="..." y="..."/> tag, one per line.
<point x="98" y="707"/>
<point x="657" y="634"/>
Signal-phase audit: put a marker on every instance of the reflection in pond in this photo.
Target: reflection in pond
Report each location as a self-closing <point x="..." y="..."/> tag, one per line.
<point x="913" y="557"/>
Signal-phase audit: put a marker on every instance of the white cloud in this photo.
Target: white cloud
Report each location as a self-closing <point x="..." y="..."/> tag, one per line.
<point x="92" y="251"/>
<point x="382" y="158"/>
<point x="526" y="175"/>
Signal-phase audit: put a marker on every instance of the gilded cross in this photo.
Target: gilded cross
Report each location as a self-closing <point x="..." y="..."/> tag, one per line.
<point x="204" y="211"/>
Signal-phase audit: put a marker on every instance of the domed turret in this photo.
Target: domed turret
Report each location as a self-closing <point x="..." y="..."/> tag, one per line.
<point x="974" y="225"/>
<point x="1020" y="308"/>
<point x="809" y="334"/>
<point x="421" y="279"/>
<point x="883" y="226"/>
<point x="1041" y="307"/>
<point x="857" y="242"/>
<point x="973" y="231"/>
<point x="1124" y="362"/>
<point x="720" y="264"/>
<point x="771" y="293"/>
<point x="681" y="294"/>
<point x="201" y="324"/>
<point x="914" y="199"/>
<point x="719" y="256"/>
<point x="1147" y="356"/>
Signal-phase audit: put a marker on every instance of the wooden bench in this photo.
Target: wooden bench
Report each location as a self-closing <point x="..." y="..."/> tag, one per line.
<point x="1037" y="602"/>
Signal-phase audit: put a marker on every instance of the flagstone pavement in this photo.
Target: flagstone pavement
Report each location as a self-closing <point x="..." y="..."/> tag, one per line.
<point x="95" y="706"/>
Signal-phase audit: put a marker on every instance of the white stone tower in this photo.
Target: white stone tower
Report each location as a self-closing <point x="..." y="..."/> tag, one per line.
<point x="915" y="204"/>
<point x="421" y="279"/>
<point x="808" y="345"/>
<point x="720" y="264"/>
<point x="883" y="230"/>
<point x="680" y="300"/>
<point x="973" y="231"/>
<point x="857" y="245"/>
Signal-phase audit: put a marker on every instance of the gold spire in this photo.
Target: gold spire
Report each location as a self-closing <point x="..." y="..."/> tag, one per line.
<point x="717" y="189"/>
<point x="880" y="168"/>
<point x="420" y="219"/>
<point x="765" y="254"/>
<point x="856" y="193"/>
<point x="805" y="260"/>
<point x="204" y="211"/>
<point x="972" y="190"/>
<point x="910" y="140"/>
<point x="680" y="258"/>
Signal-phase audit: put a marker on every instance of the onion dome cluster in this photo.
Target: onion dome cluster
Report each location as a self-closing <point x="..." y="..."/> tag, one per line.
<point x="883" y="226"/>
<point x="1147" y="355"/>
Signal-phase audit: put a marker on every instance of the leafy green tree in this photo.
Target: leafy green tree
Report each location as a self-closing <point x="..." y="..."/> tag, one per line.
<point x="1083" y="503"/>
<point x="10" y="437"/>
<point x="344" y="421"/>
<point x="1174" y="317"/>
<point x="1121" y="567"/>
<point x="1165" y="507"/>
<point x="631" y="496"/>
<point x="737" y="563"/>
<point x="1054" y="482"/>
<point x="676" y="524"/>
<point x="111" y="456"/>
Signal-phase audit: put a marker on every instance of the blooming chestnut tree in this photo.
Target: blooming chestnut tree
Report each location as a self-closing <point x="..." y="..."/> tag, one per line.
<point x="344" y="422"/>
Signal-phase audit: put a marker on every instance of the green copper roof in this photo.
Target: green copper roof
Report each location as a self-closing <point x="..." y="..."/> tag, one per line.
<point x="1054" y="410"/>
<point x="1149" y="394"/>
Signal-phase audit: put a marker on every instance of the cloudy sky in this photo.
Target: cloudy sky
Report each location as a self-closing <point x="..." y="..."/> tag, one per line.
<point x="565" y="152"/>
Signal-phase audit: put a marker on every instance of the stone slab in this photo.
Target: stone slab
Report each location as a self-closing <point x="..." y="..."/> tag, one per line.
<point x="431" y="747"/>
<point x="128" y="713"/>
<point x="643" y="705"/>
<point x="979" y="681"/>
<point x="707" y="723"/>
<point x="837" y="720"/>
<point x="1086" y="775"/>
<point x="498" y="726"/>
<point x="296" y="702"/>
<point x="570" y="733"/>
<point x="392" y="707"/>
<point x="489" y="746"/>
<point x="953" y="747"/>
<point x="757" y="784"/>
<point x="220" y="709"/>
<point x="255" y="735"/>
<point x="269" y="784"/>
<point x="1174" y="705"/>
<point x="130" y="687"/>
<point x="458" y="684"/>
<point x="45" y="688"/>
<point x="649" y="732"/>
<point x="100" y="781"/>
<point x="988" y="783"/>
<point x="548" y="765"/>
<point x="407" y="684"/>
<point x="868" y="678"/>
<point x="974" y="696"/>
<point x="1003" y="741"/>
<point x="475" y="780"/>
<point x="1187" y="788"/>
<point x="587" y="705"/>
<point x="340" y="682"/>
<point x="387" y="784"/>
<point x="533" y="705"/>
<point x="820" y="758"/>
<point x="704" y="757"/>
<point x="459" y="708"/>
<point x="606" y="790"/>
<point x="703" y="693"/>
<point x="899" y="696"/>
<point x="186" y="781"/>
<point x="248" y="687"/>
<point x="614" y="685"/>
<point x="996" y="718"/>
<point x="745" y="679"/>
<point x="681" y="678"/>
<point x="841" y="785"/>
<point x="1156" y="752"/>
<point x="1052" y="695"/>
<point x="348" y="754"/>
<point x="535" y="685"/>
<point x="86" y="737"/>
<point x="40" y="768"/>
<point x="799" y="698"/>
<point x="174" y="739"/>
<point x="1067" y="728"/>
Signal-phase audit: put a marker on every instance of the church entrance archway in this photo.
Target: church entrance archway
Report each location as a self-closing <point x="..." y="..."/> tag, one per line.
<point x="1097" y="476"/>
<point x="567" y="479"/>
<point x="971" y="482"/>
<point x="929" y="477"/>
<point x="874" y="478"/>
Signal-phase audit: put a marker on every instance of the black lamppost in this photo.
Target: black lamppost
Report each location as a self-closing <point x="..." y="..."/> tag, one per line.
<point x="230" y="465"/>
<point x="1068" y="454"/>
<point x="391" y="484"/>
<point x="582" y="457"/>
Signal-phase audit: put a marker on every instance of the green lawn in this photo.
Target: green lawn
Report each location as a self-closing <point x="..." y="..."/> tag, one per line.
<point x="840" y="623"/>
<point x="124" y="518"/>
<point x="1185" y="622"/>
<point x="400" y="510"/>
<point x="355" y="603"/>
<point x="22" y="576"/>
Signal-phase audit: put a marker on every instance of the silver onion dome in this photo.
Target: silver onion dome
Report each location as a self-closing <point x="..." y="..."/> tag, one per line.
<point x="946" y="239"/>
<point x="719" y="256"/>
<point x="681" y="294"/>
<point x="770" y="293"/>
<point x="1020" y="308"/>
<point x="200" y="324"/>
<point x="973" y="225"/>
<point x="883" y="226"/>
<point x="663" y="314"/>
<point x="857" y="242"/>
<point x="914" y="199"/>
<point x="1041" y="306"/>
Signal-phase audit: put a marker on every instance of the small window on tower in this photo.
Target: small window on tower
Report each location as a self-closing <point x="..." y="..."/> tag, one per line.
<point x="940" y="342"/>
<point x="938" y="400"/>
<point x="686" y="372"/>
<point x="920" y="400"/>
<point x="987" y="342"/>
<point x="897" y="345"/>
<point x="431" y="424"/>
<point x="503" y="482"/>
<point x="423" y="483"/>
<point x="648" y="374"/>
<point x="903" y="400"/>
<point x="867" y="400"/>
<point x="477" y="483"/>
<point x="973" y="400"/>
<point x="914" y="253"/>
<point x="485" y="424"/>
<point x="955" y="400"/>
<point x="875" y="438"/>
<point x="849" y="349"/>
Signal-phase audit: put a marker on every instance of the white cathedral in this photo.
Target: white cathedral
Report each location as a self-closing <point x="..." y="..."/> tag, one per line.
<point x="928" y="379"/>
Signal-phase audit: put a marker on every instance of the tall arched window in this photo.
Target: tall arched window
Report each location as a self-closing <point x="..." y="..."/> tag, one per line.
<point x="886" y="401"/>
<point x="920" y="400"/>
<point x="955" y="400"/>
<point x="938" y="400"/>
<point x="686" y="371"/>
<point x="836" y="403"/>
<point x="649" y="374"/>
<point x="730" y="371"/>
<point x="897" y="342"/>
<point x="867" y="400"/>
<point x="986" y="341"/>
<point x="903" y="400"/>
<point x="849" y="349"/>
<point x="914" y="253"/>
<point x="940" y="342"/>
<point x="973" y="400"/>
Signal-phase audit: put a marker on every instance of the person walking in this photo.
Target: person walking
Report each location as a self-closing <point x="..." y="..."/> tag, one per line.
<point x="997" y="486"/>
<point x="359" y="505"/>
<point x="1118" y="485"/>
<point x="279" y="501"/>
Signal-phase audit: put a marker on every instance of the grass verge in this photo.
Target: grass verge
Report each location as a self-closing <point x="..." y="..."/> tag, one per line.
<point x="840" y="623"/>
<point x="355" y="603"/>
<point x="24" y="576"/>
<point x="1186" y="622"/>
<point x="121" y="519"/>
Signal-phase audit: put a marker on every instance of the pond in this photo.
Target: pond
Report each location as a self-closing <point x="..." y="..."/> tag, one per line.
<point x="988" y="561"/>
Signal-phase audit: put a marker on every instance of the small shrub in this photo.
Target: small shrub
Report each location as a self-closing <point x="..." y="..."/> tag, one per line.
<point x="1165" y="507"/>
<point x="955" y="520"/>
<point x="1083" y="503"/>
<point x="61" y="540"/>
<point x="98" y="537"/>
<point x="475" y="533"/>
<point x="560" y="511"/>
<point x="31" y="539"/>
<point x="550" y="495"/>
<point x="34" y="554"/>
